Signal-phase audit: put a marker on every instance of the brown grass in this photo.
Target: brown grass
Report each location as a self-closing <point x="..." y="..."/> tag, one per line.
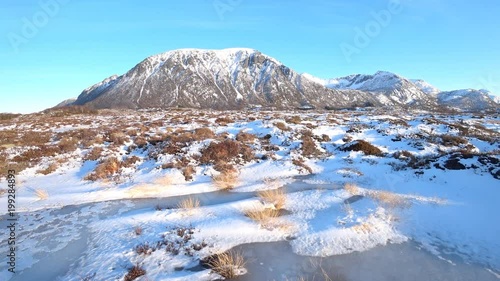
<point x="223" y="120"/>
<point x="294" y="120"/>
<point x="203" y="134"/>
<point x="262" y="215"/>
<point x="134" y="272"/>
<point x="363" y="146"/>
<point x="106" y="169"/>
<point x="390" y="199"/>
<point x="245" y="137"/>
<point x="226" y="151"/>
<point x="94" y="154"/>
<point x="50" y="169"/>
<point x="302" y="164"/>
<point x="188" y="172"/>
<point x="277" y="197"/>
<point x="189" y="203"/>
<point x="227" y="264"/>
<point x="352" y="189"/>
<point x="450" y="140"/>
<point x="226" y="180"/>
<point x="282" y="126"/>
<point x="309" y="147"/>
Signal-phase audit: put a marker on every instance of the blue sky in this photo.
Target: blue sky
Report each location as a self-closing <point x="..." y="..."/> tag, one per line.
<point x="51" y="50"/>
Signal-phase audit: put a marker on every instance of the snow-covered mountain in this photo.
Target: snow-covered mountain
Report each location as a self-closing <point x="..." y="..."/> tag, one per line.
<point x="241" y="78"/>
<point x="425" y="87"/>
<point x="219" y="79"/>
<point x="414" y="92"/>
<point x="469" y="98"/>
<point x="395" y="89"/>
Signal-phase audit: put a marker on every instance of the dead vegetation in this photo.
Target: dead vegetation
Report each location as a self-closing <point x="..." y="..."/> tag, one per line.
<point x="277" y="197"/>
<point x="363" y="146"/>
<point x="227" y="151"/>
<point x="300" y="162"/>
<point x="134" y="272"/>
<point x="105" y="169"/>
<point x="228" y="265"/>
<point x="227" y="179"/>
<point x="189" y="203"/>
<point x="263" y="216"/>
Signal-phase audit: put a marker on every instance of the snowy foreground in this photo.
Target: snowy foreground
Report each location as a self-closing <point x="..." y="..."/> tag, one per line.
<point x="113" y="192"/>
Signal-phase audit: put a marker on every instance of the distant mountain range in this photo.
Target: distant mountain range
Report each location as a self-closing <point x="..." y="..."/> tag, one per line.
<point x="245" y="78"/>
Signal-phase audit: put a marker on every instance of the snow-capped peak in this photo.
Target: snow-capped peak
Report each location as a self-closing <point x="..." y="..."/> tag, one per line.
<point x="425" y="87"/>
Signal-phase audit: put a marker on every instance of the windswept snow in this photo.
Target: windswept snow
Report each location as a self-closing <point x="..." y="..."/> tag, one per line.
<point x="433" y="184"/>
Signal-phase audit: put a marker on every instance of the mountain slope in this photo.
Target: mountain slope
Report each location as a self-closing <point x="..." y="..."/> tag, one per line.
<point x="468" y="99"/>
<point x="394" y="88"/>
<point x="218" y="79"/>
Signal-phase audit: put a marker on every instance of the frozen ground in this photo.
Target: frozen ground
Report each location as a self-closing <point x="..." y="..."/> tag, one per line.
<point x="99" y="193"/>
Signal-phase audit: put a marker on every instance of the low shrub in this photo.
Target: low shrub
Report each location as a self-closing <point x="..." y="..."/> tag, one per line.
<point x="363" y="146"/>
<point x="226" y="151"/>
<point x="134" y="272"/>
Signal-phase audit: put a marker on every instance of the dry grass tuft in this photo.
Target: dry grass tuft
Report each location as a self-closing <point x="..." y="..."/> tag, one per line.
<point x="188" y="172"/>
<point x="262" y="216"/>
<point x="189" y="203"/>
<point x="226" y="180"/>
<point x="228" y="265"/>
<point x="41" y="194"/>
<point x="104" y="170"/>
<point x="390" y="199"/>
<point x="277" y="197"/>
<point x="352" y="189"/>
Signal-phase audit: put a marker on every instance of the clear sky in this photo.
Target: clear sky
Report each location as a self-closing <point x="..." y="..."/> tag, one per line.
<point x="51" y="50"/>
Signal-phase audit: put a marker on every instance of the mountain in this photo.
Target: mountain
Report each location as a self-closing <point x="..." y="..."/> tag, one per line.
<point x="217" y="79"/>
<point x="394" y="88"/>
<point x="65" y="102"/>
<point x="241" y="78"/>
<point x="425" y="87"/>
<point x="415" y="92"/>
<point x="472" y="100"/>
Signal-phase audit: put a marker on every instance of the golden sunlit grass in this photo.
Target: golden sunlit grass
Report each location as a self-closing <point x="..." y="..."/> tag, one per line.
<point x="262" y="215"/>
<point x="352" y="189"/>
<point x="228" y="265"/>
<point x="41" y="194"/>
<point x="189" y="203"/>
<point x="277" y="197"/>
<point x="390" y="199"/>
<point x="226" y="180"/>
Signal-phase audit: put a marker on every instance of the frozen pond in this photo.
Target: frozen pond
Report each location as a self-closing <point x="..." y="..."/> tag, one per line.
<point x="55" y="242"/>
<point x="398" y="262"/>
